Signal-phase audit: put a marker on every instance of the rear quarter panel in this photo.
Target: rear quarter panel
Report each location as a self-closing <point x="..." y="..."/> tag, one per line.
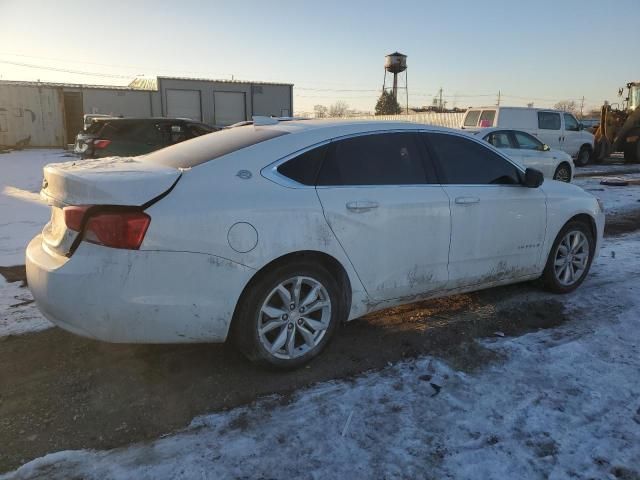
<point x="197" y="216"/>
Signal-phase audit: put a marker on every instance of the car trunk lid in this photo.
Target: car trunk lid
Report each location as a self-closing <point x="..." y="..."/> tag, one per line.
<point x="107" y="182"/>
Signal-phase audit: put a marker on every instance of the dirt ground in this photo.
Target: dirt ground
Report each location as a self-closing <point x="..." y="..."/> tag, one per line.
<point x="60" y="391"/>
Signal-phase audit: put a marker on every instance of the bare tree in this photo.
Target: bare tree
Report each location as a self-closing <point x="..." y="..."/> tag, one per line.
<point x="338" y="109"/>
<point x="320" y="111"/>
<point x="566" y="106"/>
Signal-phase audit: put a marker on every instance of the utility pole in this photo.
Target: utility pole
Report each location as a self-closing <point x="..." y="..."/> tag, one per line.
<point x="581" y="108"/>
<point x="440" y="101"/>
<point x="498" y="104"/>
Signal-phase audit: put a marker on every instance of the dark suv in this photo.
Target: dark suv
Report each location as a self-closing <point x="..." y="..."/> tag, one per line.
<point x="128" y="137"/>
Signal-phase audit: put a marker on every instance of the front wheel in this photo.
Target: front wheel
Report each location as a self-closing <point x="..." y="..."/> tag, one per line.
<point x="570" y="258"/>
<point x="632" y="152"/>
<point x="584" y="155"/>
<point x="563" y="173"/>
<point x="288" y="316"/>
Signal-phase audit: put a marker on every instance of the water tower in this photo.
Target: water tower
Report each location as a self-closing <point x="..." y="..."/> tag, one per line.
<point x="396" y="63"/>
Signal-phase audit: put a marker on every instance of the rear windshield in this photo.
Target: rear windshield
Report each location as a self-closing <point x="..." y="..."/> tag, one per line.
<point x="486" y="119"/>
<point x="471" y="120"/>
<point x="209" y="147"/>
<point x="95" y="127"/>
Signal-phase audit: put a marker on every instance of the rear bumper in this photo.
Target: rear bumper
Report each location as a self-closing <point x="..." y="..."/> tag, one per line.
<point x="132" y="296"/>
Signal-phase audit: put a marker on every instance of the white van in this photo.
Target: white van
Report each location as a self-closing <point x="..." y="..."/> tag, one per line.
<point x="560" y="130"/>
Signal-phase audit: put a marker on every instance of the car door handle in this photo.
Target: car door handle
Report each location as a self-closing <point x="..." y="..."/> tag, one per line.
<point x="467" y="200"/>
<point x="361" y="206"/>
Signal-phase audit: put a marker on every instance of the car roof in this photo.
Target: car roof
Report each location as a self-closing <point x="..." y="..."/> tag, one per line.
<point x="299" y="126"/>
<point x="145" y="119"/>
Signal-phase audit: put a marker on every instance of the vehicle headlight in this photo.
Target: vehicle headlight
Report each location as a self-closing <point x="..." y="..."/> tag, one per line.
<point x="601" y="205"/>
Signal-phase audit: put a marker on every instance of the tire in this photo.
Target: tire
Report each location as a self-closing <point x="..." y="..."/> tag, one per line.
<point x="632" y="152"/>
<point x="262" y="345"/>
<point x="584" y="155"/>
<point x="563" y="173"/>
<point x="555" y="278"/>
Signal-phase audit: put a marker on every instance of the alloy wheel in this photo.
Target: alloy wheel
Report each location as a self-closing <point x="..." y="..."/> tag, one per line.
<point x="562" y="174"/>
<point x="294" y="317"/>
<point x="571" y="258"/>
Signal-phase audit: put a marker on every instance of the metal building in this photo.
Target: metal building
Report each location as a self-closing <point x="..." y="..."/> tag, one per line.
<point x="50" y="114"/>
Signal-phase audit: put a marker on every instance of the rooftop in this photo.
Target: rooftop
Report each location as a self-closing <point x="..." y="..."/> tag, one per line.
<point x="140" y="83"/>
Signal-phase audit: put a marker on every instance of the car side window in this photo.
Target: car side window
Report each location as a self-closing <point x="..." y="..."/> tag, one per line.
<point x="570" y="123"/>
<point x="527" y="142"/>
<point x="548" y="121"/>
<point x="500" y="139"/>
<point x="305" y="167"/>
<point x="462" y="161"/>
<point x="377" y="159"/>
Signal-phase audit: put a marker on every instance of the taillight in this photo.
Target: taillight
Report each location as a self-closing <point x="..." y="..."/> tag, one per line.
<point x="117" y="228"/>
<point x="100" y="144"/>
<point x="73" y="216"/>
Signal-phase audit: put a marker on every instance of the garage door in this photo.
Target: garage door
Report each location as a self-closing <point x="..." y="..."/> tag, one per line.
<point x="184" y="104"/>
<point x="229" y="107"/>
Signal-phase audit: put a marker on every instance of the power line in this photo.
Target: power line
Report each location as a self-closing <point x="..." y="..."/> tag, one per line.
<point x="66" y="70"/>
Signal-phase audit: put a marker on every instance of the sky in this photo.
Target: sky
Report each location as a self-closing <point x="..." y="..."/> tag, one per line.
<point x="539" y="51"/>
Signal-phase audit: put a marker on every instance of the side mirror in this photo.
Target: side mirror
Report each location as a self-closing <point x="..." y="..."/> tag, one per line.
<point x="580" y="126"/>
<point x="533" y="178"/>
<point x="544" y="148"/>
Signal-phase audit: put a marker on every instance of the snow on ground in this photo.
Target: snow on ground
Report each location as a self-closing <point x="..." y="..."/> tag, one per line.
<point x="616" y="199"/>
<point x="22" y="213"/>
<point x="18" y="312"/>
<point x="559" y="403"/>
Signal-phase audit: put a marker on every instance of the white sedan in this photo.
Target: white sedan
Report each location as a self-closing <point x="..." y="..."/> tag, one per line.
<point x="275" y="233"/>
<point x="530" y="152"/>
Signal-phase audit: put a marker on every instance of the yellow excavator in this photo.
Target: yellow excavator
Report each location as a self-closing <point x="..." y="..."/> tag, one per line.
<point x="619" y="129"/>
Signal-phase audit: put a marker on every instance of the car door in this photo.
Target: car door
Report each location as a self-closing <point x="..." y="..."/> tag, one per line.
<point x="533" y="153"/>
<point x="497" y="225"/>
<point x="572" y="140"/>
<point x="387" y="212"/>
<point x="550" y="129"/>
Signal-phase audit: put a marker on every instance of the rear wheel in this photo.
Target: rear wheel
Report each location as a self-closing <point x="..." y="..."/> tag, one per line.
<point x="584" y="155"/>
<point x="563" y="173"/>
<point x="632" y="152"/>
<point x="570" y="258"/>
<point x="288" y="316"/>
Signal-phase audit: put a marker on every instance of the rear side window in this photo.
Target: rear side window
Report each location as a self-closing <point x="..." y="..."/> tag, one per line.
<point x="209" y="147"/>
<point x="486" y="118"/>
<point x="500" y="139"/>
<point x="548" y="121"/>
<point x="465" y="162"/>
<point x="380" y="159"/>
<point x="305" y="167"/>
<point x="471" y="120"/>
